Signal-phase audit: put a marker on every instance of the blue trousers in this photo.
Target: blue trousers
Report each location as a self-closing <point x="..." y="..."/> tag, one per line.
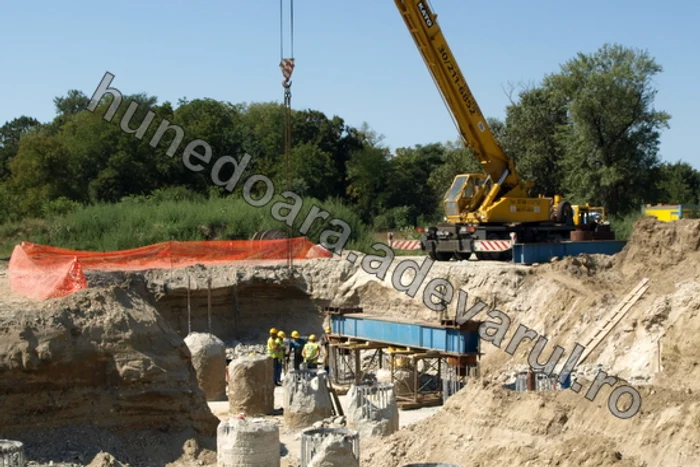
<point x="278" y="370"/>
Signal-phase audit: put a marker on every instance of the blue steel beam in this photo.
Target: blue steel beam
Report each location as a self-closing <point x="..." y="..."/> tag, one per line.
<point x="416" y="335"/>
<point x="528" y="253"/>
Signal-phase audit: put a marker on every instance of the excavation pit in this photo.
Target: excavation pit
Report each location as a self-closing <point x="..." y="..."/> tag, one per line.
<point x="242" y="311"/>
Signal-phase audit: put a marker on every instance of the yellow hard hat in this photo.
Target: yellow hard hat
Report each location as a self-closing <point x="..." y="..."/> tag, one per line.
<point x="295" y="334"/>
<point x="312" y="337"/>
<point x="328" y="330"/>
<point x="273" y="331"/>
<point x="281" y="334"/>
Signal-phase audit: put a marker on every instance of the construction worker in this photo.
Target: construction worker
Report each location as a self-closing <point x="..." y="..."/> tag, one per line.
<point x="311" y="353"/>
<point x="282" y="353"/>
<point x="276" y="352"/>
<point x="296" y="348"/>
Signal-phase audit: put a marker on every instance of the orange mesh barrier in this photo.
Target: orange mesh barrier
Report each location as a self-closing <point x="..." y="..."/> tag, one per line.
<point x="41" y="271"/>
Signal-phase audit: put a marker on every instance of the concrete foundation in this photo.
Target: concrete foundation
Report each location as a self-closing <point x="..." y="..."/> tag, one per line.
<point x="306" y="398"/>
<point x="373" y="410"/>
<point x="330" y="447"/>
<point x="243" y="442"/>
<point x="209" y="361"/>
<point x="251" y="389"/>
<point x="11" y="453"/>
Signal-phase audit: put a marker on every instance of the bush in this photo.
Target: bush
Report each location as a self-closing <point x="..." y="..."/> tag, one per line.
<point x="59" y="207"/>
<point x="624" y="225"/>
<point x="138" y="221"/>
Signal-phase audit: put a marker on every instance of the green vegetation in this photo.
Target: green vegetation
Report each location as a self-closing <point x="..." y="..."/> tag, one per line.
<point x="589" y="132"/>
<point x="172" y="215"/>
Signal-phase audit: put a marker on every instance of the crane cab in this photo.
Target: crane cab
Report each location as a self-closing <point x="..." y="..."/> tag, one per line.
<point x="465" y="193"/>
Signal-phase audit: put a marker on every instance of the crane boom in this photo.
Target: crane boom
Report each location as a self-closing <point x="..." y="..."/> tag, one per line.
<point x="470" y="121"/>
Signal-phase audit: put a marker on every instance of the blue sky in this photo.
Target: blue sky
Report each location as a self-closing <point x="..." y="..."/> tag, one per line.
<point x="354" y="59"/>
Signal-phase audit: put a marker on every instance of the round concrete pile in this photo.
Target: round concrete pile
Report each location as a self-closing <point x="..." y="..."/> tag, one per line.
<point x="242" y="442"/>
<point x="11" y="453"/>
<point x="306" y="398"/>
<point x="209" y="361"/>
<point x="373" y="410"/>
<point x="251" y="386"/>
<point x="330" y="447"/>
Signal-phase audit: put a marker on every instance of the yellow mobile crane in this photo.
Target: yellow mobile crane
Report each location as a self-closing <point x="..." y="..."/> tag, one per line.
<point x="482" y="210"/>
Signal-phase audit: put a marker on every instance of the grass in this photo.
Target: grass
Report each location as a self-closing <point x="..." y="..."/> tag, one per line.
<point x="623" y="226"/>
<point x="138" y="222"/>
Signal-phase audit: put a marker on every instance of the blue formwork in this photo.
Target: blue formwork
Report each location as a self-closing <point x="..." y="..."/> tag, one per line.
<point x="528" y="253"/>
<point x="416" y="335"/>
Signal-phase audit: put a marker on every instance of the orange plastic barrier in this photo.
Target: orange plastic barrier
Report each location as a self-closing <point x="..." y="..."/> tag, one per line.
<point x="41" y="271"/>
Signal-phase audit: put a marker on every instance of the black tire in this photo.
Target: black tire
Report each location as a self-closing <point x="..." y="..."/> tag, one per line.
<point x="565" y="213"/>
<point x="440" y="256"/>
<point x="459" y="256"/>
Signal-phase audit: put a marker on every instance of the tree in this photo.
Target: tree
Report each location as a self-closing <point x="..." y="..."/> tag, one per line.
<point x="368" y="176"/>
<point x="10" y="135"/>
<point x="411" y="168"/>
<point x="533" y="125"/>
<point x="75" y="101"/>
<point x="612" y="138"/>
<point x="677" y="183"/>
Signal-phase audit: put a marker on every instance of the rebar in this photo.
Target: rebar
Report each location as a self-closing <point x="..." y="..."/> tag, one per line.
<point x="312" y="439"/>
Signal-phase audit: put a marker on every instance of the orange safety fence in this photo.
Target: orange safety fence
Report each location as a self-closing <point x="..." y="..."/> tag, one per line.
<point x="41" y="271"/>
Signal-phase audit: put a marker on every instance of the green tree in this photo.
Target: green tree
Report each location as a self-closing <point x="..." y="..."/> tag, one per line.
<point x="677" y="183"/>
<point x="531" y="137"/>
<point x="612" y="139"/>
<point x="369" y="173"/>
<point x="72" y="103"/>
<point x="10" y="134"/>
<point x="411" y="169"/>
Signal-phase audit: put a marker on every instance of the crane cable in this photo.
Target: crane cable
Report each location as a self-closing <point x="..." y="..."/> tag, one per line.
<point x="287" y="66"/>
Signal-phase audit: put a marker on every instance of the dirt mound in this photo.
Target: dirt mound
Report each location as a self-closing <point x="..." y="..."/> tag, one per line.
<point x="655" y="245"/>
<point x="485" y="425"/>
<point x="99" y="371"/>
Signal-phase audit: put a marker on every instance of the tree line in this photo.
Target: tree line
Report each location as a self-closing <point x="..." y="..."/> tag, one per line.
<point x="589" y="131"/>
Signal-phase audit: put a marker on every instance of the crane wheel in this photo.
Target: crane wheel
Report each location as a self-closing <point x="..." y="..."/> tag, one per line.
<point x="565" y="213"/>
<point x="440" y="256"/>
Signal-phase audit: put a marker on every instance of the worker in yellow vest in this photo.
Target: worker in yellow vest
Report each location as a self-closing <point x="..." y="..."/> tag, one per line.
<point x="311" y="353"/>
<point x="275" y="350"/>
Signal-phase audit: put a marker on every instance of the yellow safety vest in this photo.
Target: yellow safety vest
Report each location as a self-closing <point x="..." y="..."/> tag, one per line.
<point x="280" y="348"/>
<point x="274" y="348"/>
<point x="311" y="351"/>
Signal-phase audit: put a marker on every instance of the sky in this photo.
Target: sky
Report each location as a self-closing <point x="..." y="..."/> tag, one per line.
<point x="354" y="59"/>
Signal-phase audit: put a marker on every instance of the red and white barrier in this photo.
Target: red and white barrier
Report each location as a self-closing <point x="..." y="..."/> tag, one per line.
<point x="492" y="245"/>
<point x="406" y="245"/>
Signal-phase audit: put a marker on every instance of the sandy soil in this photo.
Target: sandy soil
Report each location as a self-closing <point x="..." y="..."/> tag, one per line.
<point x="655" y="348"/>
